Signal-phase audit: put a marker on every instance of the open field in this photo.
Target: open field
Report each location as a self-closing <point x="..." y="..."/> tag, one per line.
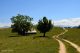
<point x="13" y="43"/>
<point x="34" y="43"/>
<point x="69" y="48"/>
<point x="73" y="35"/>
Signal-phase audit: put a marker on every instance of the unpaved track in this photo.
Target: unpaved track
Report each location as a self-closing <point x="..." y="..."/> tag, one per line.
<point x="62" y="48"/>
<point x="73" y="44"/>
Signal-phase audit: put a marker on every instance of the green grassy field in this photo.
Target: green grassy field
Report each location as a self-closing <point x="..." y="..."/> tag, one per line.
<point x="13" y="43"/>
<point x="73" y="35"/>
<point x="69" y="48"/>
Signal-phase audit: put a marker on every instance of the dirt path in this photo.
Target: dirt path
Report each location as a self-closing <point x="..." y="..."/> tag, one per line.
<point x="73" y="44"/>
<point x="62" y="48"/>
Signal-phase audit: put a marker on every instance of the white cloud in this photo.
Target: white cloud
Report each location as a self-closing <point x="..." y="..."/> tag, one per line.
<point x="64" y="22"/>
<point x="68" y="22"/>
<point x="34" y="22"/>
<point x="5" y="24"/>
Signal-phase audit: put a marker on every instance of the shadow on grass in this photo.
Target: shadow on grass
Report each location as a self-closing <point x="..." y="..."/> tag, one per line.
<point x="18" y="35"/>
<point x="15" y="36"/>
<point x="41" y="37"/>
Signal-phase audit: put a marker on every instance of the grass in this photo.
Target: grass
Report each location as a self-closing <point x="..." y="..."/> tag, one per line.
<point x="73" y="35"/>
<point x="13" y="43"/>
<point x="69" y="48"/>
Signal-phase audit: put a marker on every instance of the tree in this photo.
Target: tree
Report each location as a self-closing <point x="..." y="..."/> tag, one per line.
<point x="79" y="26"/>
<point x="44" y="25"/>
<point x="21" y="24"/>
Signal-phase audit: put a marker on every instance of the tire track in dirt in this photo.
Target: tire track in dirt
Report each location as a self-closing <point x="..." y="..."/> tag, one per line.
<point x="62" y="48"/>
<point x="71" y="43"/>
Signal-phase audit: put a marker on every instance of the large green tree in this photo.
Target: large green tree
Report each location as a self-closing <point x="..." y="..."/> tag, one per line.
<point x="44" y="25"/>
<point x="21" y="24"/>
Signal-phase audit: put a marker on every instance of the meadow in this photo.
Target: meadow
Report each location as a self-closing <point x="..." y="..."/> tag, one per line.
<point x="72" y="35"/>
<point x="31" y="43"/>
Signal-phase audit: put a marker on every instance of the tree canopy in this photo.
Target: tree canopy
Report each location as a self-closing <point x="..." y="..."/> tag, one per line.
<point x="44" y="25"/>
<point x="21" y="24"/>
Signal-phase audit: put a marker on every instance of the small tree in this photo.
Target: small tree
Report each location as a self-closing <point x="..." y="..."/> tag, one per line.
<point x="44" y="25"/>
<point x="21" y="24"/>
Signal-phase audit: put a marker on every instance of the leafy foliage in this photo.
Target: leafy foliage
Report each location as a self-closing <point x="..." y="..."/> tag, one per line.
<point x="44" y="25"/>
<point x="21" y="24"/>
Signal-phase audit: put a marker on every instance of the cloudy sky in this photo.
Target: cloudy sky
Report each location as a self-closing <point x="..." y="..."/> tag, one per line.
<point x="68" y="22"/>
<point x="62" y="12"/>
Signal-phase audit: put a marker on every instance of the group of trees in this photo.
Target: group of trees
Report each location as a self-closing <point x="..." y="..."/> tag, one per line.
<point x="22" y="24"/>
<point x="77" y="27"/>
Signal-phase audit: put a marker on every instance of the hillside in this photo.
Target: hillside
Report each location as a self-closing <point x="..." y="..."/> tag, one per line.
<point x="73" y="35"/>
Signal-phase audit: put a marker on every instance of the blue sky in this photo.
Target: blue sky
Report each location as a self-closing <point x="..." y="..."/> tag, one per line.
<point x="52" y="9"/>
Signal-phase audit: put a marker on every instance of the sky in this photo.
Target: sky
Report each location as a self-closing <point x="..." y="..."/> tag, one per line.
<point x="61" y="12"/>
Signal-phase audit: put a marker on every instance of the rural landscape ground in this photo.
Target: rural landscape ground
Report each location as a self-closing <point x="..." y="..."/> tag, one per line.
<point x="39" y="26"/>
<point x="58" y="40"/>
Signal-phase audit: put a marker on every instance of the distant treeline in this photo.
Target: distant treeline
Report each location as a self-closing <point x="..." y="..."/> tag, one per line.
<point x="74" y="27"/>
<point x="77" y="26"/>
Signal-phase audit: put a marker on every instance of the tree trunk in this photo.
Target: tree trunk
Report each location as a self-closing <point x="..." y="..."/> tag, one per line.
<point x="44" y="35"/>
<point x="23" y="32"/>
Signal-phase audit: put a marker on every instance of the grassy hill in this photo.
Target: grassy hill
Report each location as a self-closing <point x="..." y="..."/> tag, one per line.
<point x="13" y="43"/>
<point x="73" y="35"/>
